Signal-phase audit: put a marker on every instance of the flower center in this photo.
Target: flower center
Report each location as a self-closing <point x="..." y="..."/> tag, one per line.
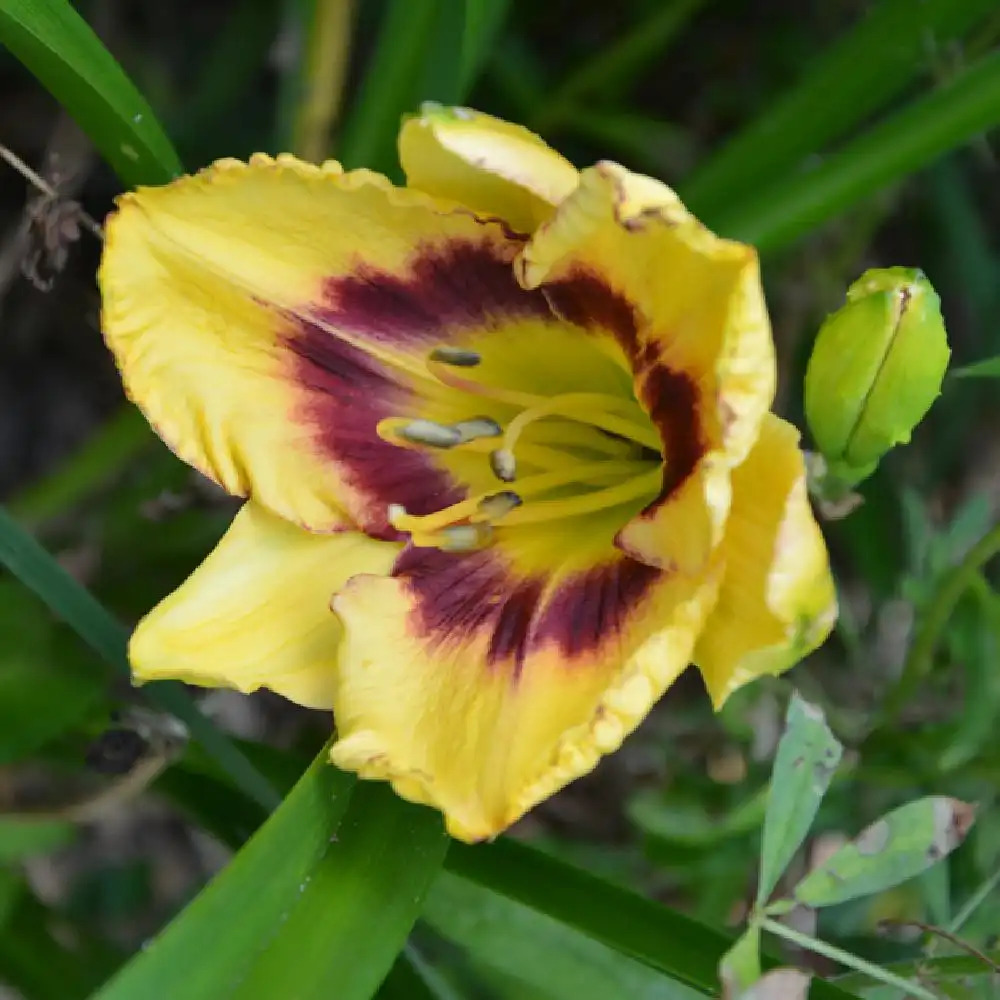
<point x="551" y="457"/>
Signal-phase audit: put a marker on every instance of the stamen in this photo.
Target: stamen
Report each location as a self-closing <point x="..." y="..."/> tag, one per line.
<point x="460" y="357"/>
<point x="586" y="407"/>
<point x="457" y="538"/>
<point x="428" y="432"/>
<point x="504" y="465"/>
<point x="587" y="503"/>
<point x="421" y="524"/>
<point x="478" y="427"/>
<point x="498" y="504"/>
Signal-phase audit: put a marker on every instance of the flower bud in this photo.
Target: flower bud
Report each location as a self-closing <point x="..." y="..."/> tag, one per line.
<point x="876" y="368"/>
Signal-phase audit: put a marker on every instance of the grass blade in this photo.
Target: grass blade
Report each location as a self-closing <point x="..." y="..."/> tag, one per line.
<point x="69" y="60"/>
<point x="325" y="892"/>
<point x="990" y="368"/>
<point x="414" y="61"/>
<point x="482" y="22"/>
<point x="853" y="78"/>
<point x="660" y="937"/>
<point x="389" y="86"/>
<point x="912" y="138"/>
<point x="545" y="955"/>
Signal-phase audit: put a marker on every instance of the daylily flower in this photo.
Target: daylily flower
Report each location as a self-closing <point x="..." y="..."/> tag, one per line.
<point x="512" y="418"/>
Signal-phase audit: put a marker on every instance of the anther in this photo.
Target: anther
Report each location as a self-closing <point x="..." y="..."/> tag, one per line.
<point x="478" y="427"/>
<point x="460" y="357"/>
<point x="463" y="537"/>
<point x="430" y="433"/>
<point x="498" y="504"/>
<point x="395" y="512"/>
<point x="504" y="465"/>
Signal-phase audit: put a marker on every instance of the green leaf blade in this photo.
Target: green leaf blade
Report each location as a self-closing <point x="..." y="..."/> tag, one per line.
<point x="324" y="893"/>
<point x="544" y="954"/>
<point x="854" y="77"/>
<point x="901" y="845"/>
<point x="943" y="119"/>
<point x="656" y="935"/>
<point x="51" y="39"/>
<point x="988" y="368"/>
<point x="807" y="758"/>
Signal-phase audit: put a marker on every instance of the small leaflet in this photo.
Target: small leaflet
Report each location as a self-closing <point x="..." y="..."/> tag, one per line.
<point x="899" y="846"/>
<point x="804" y="765"/>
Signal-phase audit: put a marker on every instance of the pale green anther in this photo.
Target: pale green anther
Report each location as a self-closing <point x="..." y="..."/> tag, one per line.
<point x="876" y="368"/>
<point x="478" y="427"/>
<point x="498" y="504"/>
<point x="463" y="537"/>
<point x="504" y="465"/>
<point x="430" y="433"/>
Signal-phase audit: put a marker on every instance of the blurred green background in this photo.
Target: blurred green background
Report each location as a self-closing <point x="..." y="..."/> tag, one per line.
<point x="838" y="135"/>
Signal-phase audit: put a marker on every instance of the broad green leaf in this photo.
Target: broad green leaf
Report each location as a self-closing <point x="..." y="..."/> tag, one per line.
<point x="660" y="937"/>
<point x="56" y="44"/>
<point x="953" y="114"/>
<point x="545" y="955"/>
<point x="324" y="893"/>
<point x="22" y="838"/>
<point x="75" y="605"/>
<point x="989" y="368"/>
<point x="807" y="757"/>
<point x="897" y="847"/>
<point x="657" y="936"/>
<point x="852" y="78"/>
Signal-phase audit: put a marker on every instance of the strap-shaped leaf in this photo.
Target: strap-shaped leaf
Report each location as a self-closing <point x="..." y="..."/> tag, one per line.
<point x="857" y="75"/>
<point x="70" y="61"/>
<point x="317" y="904"/>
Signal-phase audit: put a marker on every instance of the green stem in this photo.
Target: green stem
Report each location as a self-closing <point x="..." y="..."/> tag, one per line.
<point x="920" y="657"/>
<point x="846" y="958"/>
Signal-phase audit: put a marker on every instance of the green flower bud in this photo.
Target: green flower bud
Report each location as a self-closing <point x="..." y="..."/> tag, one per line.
<point x="876" y="368"/>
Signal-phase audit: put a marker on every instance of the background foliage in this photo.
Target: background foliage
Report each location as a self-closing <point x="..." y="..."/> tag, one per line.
<point x="835" y="135"/>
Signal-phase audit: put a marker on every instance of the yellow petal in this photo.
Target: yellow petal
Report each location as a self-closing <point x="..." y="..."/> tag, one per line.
<point x="256" y="613"/>
<point x="622" y="251"/>
<point x="487" y="164"/>
<point x="482" y="693"/>
<point x="777" y="601"/>
<point x="265" y="317"/>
